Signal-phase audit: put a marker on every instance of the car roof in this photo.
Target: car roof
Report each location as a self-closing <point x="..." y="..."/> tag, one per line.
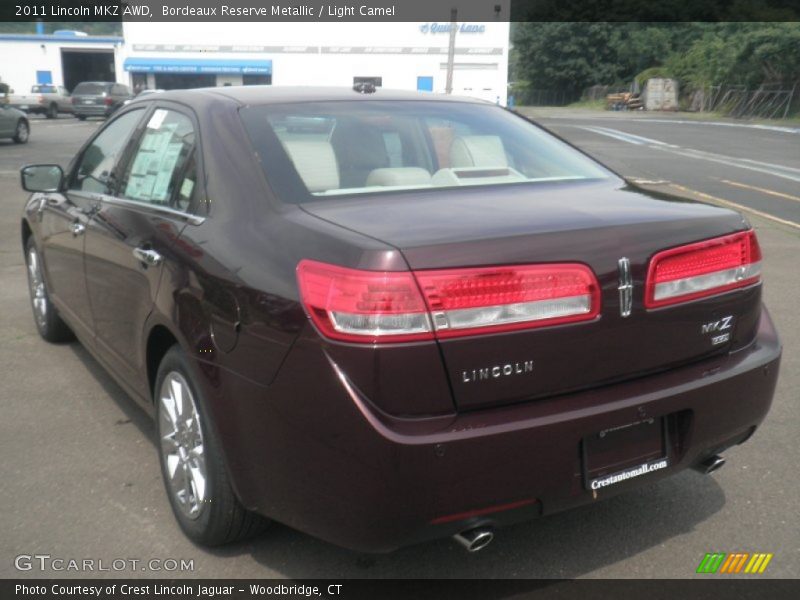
<point x="253" y="95"/>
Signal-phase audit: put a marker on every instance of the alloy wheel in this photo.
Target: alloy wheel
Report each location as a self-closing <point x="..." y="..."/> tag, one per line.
<point x="22" y="132"/>
<point x="37" y="289"/>
<point x="181" y="445"/>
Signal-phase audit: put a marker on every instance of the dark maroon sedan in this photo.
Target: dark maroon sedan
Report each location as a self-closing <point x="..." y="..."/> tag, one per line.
<point x="387" y="317"/>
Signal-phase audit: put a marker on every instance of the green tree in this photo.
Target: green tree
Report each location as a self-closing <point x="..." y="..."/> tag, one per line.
<point x="749" y="54"/>
<point x="574" y="56"/>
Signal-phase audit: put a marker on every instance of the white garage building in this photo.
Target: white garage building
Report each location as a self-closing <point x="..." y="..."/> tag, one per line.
<point x="62" y="58"/>
<point x="391" y="55"/>
<point x="196" y="54"/>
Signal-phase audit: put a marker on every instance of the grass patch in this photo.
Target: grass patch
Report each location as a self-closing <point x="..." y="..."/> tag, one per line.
<point x="599" y="104"/>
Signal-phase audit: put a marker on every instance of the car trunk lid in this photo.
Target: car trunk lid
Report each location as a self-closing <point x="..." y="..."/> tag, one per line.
<point x="589" y="223"/>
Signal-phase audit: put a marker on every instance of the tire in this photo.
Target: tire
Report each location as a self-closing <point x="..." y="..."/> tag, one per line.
<point x="52" y="111"/>
<point x="48" y="322"/>
<point x="194" y="473"/>
<point x="22" y="132"/>
<point x="81" y="117"/>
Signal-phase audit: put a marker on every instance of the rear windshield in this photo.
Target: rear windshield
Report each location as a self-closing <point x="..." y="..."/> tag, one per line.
<point x="43" y="89"/>
<point x="323" y="149"/>
<point x="90" y="88"/>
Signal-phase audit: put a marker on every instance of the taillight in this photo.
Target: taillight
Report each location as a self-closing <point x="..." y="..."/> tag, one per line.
<point x="41" y="99"/>
<point x="72" y="100"/>
<point x="363" y="306"/>
<point x="108" y="101"/>
<point x="703" y="269"/>
<point x="467" y="301"/>
<point x="379" y="306"/>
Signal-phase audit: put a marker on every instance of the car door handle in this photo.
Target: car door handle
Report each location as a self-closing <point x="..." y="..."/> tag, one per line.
<point x="148" y="257"/>
<point x="45" y="201"/>
<point x="77" y="228"/>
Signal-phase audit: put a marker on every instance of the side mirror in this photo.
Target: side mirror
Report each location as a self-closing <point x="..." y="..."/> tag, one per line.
<point x="42" y="178"/>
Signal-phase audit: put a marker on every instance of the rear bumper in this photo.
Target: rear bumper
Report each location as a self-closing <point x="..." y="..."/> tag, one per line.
<point x="92" y="110"/>
<point x="312" y="452"/>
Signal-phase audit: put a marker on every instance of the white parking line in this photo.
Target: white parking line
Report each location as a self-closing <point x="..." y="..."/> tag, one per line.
<point x="610" y="133"/>
<point x="742" y="163"/>
<point x="628" y="137"/>
<point x="778" y="128"/>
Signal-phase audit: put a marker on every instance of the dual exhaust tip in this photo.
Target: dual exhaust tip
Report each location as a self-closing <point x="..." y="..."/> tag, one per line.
<point x="475" y="539"/>
<point x="710" y="465"/>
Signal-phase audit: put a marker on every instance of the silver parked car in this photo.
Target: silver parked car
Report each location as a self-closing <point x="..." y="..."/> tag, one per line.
<point x="14" y="124"/>
<point x="44" y="99"/>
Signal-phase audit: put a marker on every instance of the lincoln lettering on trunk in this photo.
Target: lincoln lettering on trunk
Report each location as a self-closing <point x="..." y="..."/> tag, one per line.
<point x="497" y="371"/>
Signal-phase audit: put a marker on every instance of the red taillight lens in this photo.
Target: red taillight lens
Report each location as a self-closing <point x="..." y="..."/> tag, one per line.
<point x="72" y="100"/>
<point x="376" y="306"/>
<point x="41" y="99"/>
<point x="363" y="306"/>
<point x="466" y="301"/>
<point x="703" y="269"/>
<point x="108" y="101"/>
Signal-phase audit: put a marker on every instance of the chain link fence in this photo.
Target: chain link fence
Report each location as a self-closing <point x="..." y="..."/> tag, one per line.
<point x="529" y="96"/>
<point x="768" y="101"/>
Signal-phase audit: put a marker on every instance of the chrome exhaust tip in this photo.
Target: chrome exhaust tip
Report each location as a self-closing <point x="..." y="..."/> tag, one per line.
<point x="475" y="539"/>
<point x="710" y="465"/>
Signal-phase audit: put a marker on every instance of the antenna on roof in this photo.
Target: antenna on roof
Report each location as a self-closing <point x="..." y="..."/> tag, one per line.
<point x="364" y="87"/>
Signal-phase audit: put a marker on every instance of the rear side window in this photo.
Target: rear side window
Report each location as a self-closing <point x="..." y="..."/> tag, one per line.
<point x="162" y="168"/>
<point x="360" y="147"/>
<point x="95" y="171"/>
<point x="89" y="89"/>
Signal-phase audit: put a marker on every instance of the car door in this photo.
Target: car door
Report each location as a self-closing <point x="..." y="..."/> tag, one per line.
<point x="65" y="216"/>
<point x="130" y="237"/>
<point x="8" y="121"/>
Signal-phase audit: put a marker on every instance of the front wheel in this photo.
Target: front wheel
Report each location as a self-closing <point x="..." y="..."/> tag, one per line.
<point x="80" y="117"/>
<point x="192" y="466"/>
<point x="22" y="132"/>
<point x="48" y="322"/>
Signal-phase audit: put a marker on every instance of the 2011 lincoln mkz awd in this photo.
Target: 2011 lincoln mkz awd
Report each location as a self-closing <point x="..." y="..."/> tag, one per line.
<point x="384" y="317"/>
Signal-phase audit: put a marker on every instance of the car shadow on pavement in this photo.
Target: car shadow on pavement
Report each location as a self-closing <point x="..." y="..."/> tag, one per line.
<point x="134" y="413"/>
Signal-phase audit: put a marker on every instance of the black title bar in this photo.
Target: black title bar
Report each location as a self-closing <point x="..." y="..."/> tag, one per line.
<point x="398" y="589"/>
<point x="400" y="10"/>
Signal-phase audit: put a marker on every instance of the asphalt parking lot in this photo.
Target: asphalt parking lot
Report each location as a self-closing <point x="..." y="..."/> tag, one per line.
<point x="79" y="467"/>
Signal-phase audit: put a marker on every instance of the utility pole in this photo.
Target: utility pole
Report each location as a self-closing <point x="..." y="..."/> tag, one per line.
<point x="451" y="51"/>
